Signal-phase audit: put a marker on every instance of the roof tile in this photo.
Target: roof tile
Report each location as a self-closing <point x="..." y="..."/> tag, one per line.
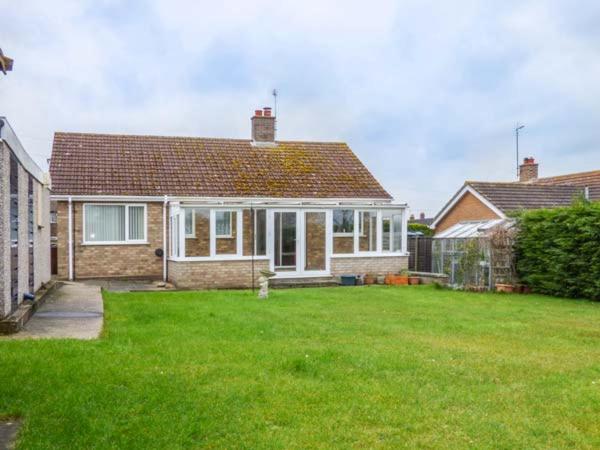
<point x="105" y="164"/>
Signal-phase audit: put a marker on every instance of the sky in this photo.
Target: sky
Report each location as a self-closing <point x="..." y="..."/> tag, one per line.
<point x="426" y="93"/>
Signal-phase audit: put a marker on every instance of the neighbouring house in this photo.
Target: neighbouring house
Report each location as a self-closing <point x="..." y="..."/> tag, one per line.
<point x="488" y="201"/>
<point x="210" y="213"/>
<point x="467" y="227"/>
<point x="422" y="220"/>
<point x="24" y="223"/>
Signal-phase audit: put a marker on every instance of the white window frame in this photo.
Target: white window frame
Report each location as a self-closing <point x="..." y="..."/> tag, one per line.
<point x="127" y="241"/>
<point x="225" y="236"/>
<point x="193" y="233"/>
<point x="343" y="233"/>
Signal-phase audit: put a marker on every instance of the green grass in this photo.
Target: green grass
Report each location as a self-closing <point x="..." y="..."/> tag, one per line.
<point x="371" y="367"/>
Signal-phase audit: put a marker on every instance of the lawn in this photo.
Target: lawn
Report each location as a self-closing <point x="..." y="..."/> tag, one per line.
<point x="369" y="367"/>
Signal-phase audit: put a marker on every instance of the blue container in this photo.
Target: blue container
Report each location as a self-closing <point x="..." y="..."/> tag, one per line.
<point x="348" y="280"/>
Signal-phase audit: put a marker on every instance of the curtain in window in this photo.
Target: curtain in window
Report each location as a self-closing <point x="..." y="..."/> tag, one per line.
<point x="223" y="223"/>
<point x="104" y="223"/>
<point x="136" y="223"/>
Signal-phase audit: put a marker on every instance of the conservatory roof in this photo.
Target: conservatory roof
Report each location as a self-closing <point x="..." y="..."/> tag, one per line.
<point x="471" y="229"/>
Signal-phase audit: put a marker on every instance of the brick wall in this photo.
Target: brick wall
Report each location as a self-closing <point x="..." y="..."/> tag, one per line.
<point x="200" y="244"/>
<point x="468" y="207"/>
<point x="214" y="274"/>
<point x="343" y="244"/>
<point x="369" y="264"/>
<point x="90" y="261"/>
<point x="315" y="240"/>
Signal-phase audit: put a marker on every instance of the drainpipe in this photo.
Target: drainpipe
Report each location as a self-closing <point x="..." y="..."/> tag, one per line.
<point x="165" y="239"/>
<point x="70" y="238"/>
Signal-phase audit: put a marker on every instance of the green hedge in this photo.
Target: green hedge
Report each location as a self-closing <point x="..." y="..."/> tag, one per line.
<point x="558" y="250"/>
<point x="420" y="227"/>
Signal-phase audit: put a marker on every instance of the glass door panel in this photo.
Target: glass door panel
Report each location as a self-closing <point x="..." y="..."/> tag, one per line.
<point x="285" y="241"/>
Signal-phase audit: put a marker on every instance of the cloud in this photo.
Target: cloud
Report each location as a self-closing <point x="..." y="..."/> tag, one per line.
<point x="427" y="94"/>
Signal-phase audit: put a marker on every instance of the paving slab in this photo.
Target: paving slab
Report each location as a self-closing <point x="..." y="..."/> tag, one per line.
<point x="8" y="433"/>
<point x="72" y="310"/>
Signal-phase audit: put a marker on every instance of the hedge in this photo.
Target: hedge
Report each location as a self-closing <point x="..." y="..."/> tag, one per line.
<point x="558" y="250"/>
<point x="420" y="227"/>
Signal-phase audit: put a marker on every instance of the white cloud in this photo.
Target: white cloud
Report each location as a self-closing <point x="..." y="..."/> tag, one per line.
<point x="425" y="92"/>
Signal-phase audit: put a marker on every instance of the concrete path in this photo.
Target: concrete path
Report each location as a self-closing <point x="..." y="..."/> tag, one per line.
<point x="72" y="310"/>
<point x="8" y="433"/>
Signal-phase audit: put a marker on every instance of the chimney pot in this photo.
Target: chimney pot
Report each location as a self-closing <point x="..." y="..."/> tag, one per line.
<point x="267" y="111"/>
<point x="258" y="112"/>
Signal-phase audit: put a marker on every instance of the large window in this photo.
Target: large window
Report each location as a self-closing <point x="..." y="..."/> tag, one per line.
<point x="343" y="221"/>
<point x="114" y="224"/>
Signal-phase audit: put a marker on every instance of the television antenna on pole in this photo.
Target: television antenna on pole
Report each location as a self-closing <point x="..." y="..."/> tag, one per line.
<point x="517" y="128"/>
<point x="274" y="93"/>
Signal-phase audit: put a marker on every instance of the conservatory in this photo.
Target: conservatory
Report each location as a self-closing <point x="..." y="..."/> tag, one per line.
<point x="475" y="253"/>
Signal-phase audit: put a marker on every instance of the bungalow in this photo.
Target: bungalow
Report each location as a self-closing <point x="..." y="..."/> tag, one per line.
<point x="210" y="213"/>
<point x="481" y="201"/>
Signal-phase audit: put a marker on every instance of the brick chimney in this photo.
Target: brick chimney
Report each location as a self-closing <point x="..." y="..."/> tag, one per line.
<point x="528" y="170"/>
<point x="263" y="126"/>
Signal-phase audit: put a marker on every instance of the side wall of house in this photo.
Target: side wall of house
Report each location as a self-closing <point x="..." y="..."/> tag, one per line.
<point x="468" y="207"/>
<point x="215" y="274"/>
<point x="4" y="230"/>
<point x="41" y="234"/>
<point x="377" y="265"/>
<point x="98" y="261"/>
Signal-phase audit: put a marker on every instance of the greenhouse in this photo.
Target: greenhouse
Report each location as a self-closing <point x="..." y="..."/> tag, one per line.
<point x="475" y="254"/>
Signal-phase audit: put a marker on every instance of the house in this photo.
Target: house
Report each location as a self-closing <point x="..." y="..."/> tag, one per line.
<point x="488" y="201"/>
<point x="211" y="213"/>
<point x="422" y="220"/>
<point x="24" y="223"/>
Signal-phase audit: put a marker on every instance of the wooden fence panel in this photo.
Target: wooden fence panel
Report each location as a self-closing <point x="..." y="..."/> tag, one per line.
<point x="420" y="259"/>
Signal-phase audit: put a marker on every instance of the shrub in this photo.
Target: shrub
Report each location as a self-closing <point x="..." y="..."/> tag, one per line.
<point x="558" y="250"/>
<point x="420" y="227"/>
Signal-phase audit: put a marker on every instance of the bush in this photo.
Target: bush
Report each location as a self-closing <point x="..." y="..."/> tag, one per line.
<point x="558" y="250"/>
<point x="420" y="227"/>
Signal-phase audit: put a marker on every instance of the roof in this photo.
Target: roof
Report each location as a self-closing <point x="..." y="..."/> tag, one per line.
<point x="583" y="179"/>
<point x="472" y="229"/>
<point x="8" y="136"/>
<point x="107" y="164"/>
<point x="517" y="196"/>
<point x="426" y="221"/>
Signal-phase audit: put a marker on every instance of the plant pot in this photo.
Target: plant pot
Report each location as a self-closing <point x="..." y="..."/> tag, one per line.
<point x="396" y="280"/>
<point x="504" y="287"/>
<point x="380" y="279"/>
<point x="370" y="279"/>
<point x="412" y="280"/>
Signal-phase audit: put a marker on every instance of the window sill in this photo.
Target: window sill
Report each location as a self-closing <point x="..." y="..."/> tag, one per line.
<point x="91" y="244"/>
<point x="224" y="236"/>
<point x="369" y="255"/>
<point x="343" y="234"/>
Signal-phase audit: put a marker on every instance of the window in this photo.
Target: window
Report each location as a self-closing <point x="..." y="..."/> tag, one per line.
<point x="261" y="232"/>
<point x="343" y="221"/>
<point x="190" y="223"/>
<point x="53" y="217"/>
<point x="114" y="223"/>
<point x="223" y="224"/>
